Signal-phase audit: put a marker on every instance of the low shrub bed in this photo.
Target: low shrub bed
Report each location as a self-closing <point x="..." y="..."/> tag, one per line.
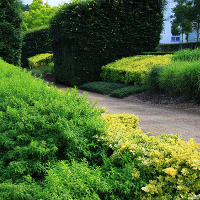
<point x="132" y="70"/>
<point x="55" y="145"/>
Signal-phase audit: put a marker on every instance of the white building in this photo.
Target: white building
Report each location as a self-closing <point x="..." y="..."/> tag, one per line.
<point x="166" y="35"/>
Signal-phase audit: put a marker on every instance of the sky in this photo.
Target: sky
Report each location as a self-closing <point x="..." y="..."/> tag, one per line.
<point x="50" y="2"/>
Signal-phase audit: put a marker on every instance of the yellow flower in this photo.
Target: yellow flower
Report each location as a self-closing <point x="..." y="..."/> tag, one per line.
<point x="171" y="171"/>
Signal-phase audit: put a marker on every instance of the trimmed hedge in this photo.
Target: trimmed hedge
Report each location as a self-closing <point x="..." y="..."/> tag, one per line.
<point x="177" y="46"/>
<point x="40" y="60"/>
<point x="133" y="70"/>
<point x="10" y="32"/>
<point x="90" y="34"/>
<point x="35" y="42"/>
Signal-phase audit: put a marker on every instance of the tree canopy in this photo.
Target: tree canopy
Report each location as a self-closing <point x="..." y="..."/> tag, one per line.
<point x="186" y="17"/>
<point x="39" y="15"/>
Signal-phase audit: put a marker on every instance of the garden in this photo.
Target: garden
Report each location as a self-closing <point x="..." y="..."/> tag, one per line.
<point x="56" y="144"/>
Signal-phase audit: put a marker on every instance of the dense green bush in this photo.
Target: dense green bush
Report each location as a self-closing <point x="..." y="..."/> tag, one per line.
<point x="178" y="78"/>
<point x="10" y="32"/>
<point x="90" y="34"/>
<point x="40" y="125"/>
<point x="35" y="42"/>
<point x="172" y="47"/>
<point x="187" y="55"/>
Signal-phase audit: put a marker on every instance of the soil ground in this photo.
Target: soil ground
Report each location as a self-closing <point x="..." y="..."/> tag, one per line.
<point x="158" y="113"/>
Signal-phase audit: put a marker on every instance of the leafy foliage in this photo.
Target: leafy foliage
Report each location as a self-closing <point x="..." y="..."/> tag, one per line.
<point x="187" y="55"/>
<point x="10" y="31"/>
<point x="40" y="125"/>
<point x="90" y="34"/>
<point x="165" y="167"/>
<point x="179" y="78"/>
<point x="132" y="70"/>
<point x="38" y="15"/>
<point x="36" y="41"/>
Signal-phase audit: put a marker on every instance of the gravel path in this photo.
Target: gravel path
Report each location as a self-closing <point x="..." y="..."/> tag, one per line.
<point x="154" y="118"/>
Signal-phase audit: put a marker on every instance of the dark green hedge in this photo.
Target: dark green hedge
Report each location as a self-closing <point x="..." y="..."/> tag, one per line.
<point x="10" y="31"/>
<point x="90" y="34"/>
<point x="36" y="41"/>
<point x="178" y="46"/>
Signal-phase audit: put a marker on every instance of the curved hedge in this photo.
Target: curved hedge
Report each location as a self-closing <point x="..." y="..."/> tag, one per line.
<point x="10" y="32"/>
<point x="90" y="34"/>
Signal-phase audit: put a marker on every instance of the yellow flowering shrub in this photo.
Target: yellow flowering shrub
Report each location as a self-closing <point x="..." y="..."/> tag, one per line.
<point x="133" y="69"/>
<point x="40" y="60"/>
<point x="171" y="163"/>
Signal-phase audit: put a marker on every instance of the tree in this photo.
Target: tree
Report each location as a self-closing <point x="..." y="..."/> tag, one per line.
<point x="186" y="16"/>
<point x="180" y="19"/>
<point x="39" y="15"/>
<point x="10" y="31"/>
<point x="22" y="6"/>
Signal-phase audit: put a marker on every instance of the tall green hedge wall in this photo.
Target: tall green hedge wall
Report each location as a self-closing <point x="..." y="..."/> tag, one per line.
<point x="36" y="41"/>
<point x="10" y="31"/>
<point x="177" y="46"/>
<point x="90" y="34"/>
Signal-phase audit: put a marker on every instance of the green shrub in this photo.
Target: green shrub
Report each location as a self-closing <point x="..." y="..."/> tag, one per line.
<point x="126" y="91"/>
<point x="10" y="32"/>
<point x="36" y="41"/>
<point x="132" y="70"/>
<point x="43" y="70"/>
<point x="172" y="47"/>
<point x="152" y="80"/>
<point x="76" y="181"/>
<point x="181" y="78"/>
<point x="90" y="34"/>
<point x="40" y="60"/>
<point x="102" y="87"/>
<point x="187" y="55"/>
<point x="40" y="124"/>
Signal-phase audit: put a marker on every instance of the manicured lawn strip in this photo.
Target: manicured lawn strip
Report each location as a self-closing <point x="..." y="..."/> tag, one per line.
<point x="102" y="87"/>
<point x="126" y="91"/>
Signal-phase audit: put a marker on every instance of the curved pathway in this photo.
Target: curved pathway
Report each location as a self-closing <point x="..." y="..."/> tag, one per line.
<point x="154" y="118"/>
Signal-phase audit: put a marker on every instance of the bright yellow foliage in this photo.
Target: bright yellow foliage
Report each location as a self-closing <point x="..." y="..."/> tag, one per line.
<point x="133" y="69"/>
<point x="40" y="60"/>
<point x="174" y="164"/>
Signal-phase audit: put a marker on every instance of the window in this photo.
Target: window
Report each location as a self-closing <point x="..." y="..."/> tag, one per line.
<point x="175" y="38"/>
